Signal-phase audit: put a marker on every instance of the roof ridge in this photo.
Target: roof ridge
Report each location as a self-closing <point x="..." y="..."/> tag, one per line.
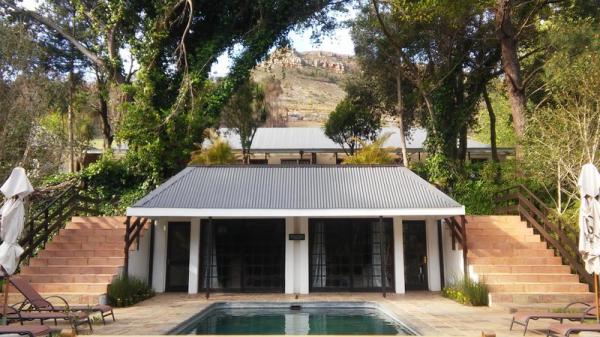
<point x="297" y="165"/>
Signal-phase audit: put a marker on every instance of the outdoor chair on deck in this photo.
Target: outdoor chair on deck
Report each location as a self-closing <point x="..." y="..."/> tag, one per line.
<point x="75" y="318"/>
<point x="565" y="330"/>
<point x="523" y="318"/>
<point x="39" y="303"/>
<point x="29" y="331"/>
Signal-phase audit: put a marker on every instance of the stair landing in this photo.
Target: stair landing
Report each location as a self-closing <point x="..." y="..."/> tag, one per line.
<point x="519" y="269"/>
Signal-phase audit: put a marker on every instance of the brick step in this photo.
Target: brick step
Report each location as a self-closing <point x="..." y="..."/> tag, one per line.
<point x="501" y="299"/>
<point x="77" y="246"/>
<point x="524" y="269"/>
<point x="93" y="231"/>
<point x="70" y="278"/>
<point x="52" y="253"/>
<point x="483" y="252"/>
<point x="539" y="278"/>
<point x="505" y="238"/>
<point x="74" y="238"/>
<point x="486" y="218"/>
<point x="96" y="223"/>
<point x="77" y="261"/>
<point x="515" y="260"/>
<point x="504" y="244"/>
<point x="518" y="287"/>
<point x="521" y="230"/>
<point x="33" y="270"/>
<point x="70" y="287"/>
<point x="497" y="226"/>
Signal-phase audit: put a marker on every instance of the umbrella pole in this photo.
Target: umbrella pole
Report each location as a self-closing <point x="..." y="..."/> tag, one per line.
<point x="596" y="296"/>
<point x="6" y="285"/>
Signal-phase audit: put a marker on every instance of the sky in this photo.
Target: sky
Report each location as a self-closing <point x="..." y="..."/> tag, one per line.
<point x="338" y="41"/>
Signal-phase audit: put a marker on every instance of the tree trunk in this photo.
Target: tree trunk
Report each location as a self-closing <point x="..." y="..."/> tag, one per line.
<point x="512" y="69"/>
<point x="492" y="115"/>
<point x="104" y="115"/>
<point x="462" y="144"/>
<point x="70" y="132"/>
<point x="400" y="114"/>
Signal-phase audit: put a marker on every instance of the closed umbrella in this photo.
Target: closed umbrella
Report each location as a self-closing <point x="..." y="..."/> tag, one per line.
<point x="589" y="223"/>
<point x="15" y="189"/>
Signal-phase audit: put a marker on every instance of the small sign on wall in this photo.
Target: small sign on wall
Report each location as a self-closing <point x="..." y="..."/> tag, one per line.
<point x="296" y="237"/>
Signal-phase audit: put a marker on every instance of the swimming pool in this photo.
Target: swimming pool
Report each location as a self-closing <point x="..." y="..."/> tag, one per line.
<point x="294" y="318"/>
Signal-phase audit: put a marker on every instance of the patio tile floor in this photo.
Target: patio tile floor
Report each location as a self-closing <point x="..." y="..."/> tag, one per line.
<point x="428" y="313"/>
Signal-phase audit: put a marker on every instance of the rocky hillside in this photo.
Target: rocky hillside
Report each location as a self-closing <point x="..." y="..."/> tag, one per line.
<point x="303" y="88"/>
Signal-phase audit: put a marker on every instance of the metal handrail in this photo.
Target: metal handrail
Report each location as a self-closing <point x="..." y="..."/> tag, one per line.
<point x="520" y="200"/>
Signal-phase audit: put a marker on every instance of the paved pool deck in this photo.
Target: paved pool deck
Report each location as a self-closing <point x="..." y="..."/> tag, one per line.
<point x="428" y="313"/>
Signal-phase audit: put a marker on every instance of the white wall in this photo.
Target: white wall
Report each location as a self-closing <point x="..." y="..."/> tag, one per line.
<point x="399" y="256"/>
<point x="453" y="260"/>
<point x="139" y="259"/>
<point x="433" y="255"/>
<point x="194" y="269"/>
<point x="159" y="267"/>
<point x="296" y="256"/>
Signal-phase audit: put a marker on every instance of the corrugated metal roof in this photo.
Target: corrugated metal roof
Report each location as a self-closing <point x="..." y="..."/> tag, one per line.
<point x="314" y="139"/>
<point x="296" y="187"/>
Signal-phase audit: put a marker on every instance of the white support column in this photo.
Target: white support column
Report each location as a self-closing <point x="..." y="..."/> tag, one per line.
<point x="302" y="280"/>
<point x="433" y="256"/>
<point x="194" y="271"/>
<point x="296" y="257"/>
<point x="159" y="267"/>
<point x="398" y="256"/>
<point x="289" y="256"/>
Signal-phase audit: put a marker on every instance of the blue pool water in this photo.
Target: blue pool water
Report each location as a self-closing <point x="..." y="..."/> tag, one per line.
<point x="283" y="320"/>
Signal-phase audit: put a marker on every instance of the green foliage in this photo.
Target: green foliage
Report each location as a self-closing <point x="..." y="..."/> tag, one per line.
<point x="351" y="123"/>
<point x="371" y="153"/>
<point x="466" y="291"/>
<point x="219" y="152"/>
<point x="126" y="291"/>
<point x="505" y="133"/>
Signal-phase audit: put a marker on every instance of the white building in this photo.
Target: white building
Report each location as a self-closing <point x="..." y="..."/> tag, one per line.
<point x="296" y="229"/>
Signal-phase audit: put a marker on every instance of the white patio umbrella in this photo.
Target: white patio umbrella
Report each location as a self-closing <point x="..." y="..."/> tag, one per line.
<point x="589" y="223"/>
<point x="15" y="189"/>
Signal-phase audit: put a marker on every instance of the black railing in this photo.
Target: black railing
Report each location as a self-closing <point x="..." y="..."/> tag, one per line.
<point x="133" y="230"/>
<point x="521" y="201"/>
<point x="458" y="229"/>
<point x="44" y="222"/>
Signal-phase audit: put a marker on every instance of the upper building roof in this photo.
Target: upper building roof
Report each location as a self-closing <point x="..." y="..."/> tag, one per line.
<point x="279" y="191"/>
<point x="313" y="139"/>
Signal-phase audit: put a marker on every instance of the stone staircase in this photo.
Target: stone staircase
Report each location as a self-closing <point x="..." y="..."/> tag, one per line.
<point x="80" y="261"/>
<point x="517" y="266"/>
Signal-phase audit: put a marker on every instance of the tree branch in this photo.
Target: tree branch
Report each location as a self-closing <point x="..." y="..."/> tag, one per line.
<point x="62" y="32"/>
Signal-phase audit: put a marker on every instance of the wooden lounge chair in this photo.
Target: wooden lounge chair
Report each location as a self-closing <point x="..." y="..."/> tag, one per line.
<point x="34" y="299"/>
<point x="30" y="330"/>
<point x="565" y="330"/>
<point x="75" y="318"/>
<point x="523" y="318"/>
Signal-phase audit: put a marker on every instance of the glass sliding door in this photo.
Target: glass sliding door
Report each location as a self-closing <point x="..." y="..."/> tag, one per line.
<point x="243" y="255"/>
<point x="351" y="254"/>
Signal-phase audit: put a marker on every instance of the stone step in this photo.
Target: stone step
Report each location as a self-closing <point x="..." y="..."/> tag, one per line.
<point x="70" y="278"/>
<point x="523" y="269"/>
<point x="504" y="244"/>
<point x="51" y="253"/>
<point x="515" y="260"/>
<point x="484" y="252"/>
<point x="504" y="238"/>
<point x="70" y="287"/>
<point x="76" y="246"/>
<point x="33" y="270"/>
<point x="518" y="287"/>
<point x="77" y="261"/>
<point x="539" y="278"/>
<point x="529" y="298"/>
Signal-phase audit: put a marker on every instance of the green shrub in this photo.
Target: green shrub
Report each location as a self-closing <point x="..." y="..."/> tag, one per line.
<point x="467" y="291"/>
<point x="124" y="292"/>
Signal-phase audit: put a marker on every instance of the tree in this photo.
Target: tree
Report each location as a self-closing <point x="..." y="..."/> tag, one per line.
<point x="245" y="111"/>
<point x="351" y="123"/>
<point x="219" y="152"/>
<point x="371" y="153"/>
